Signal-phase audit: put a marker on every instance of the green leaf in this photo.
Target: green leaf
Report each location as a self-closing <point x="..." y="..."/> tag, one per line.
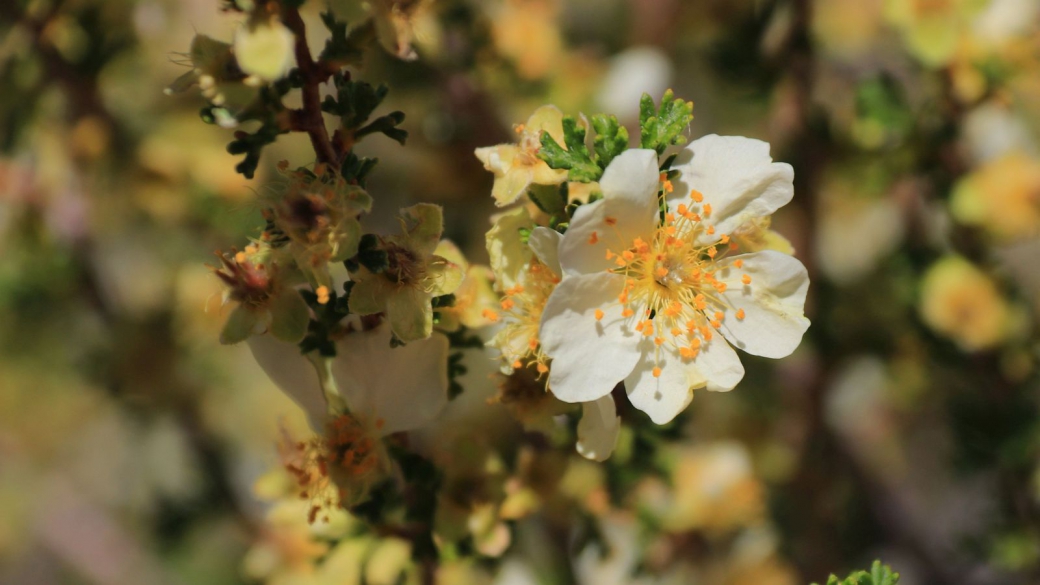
<point x="879" y="575"/>
<point x="239" y="326"/>
<point x="343" y="47"/>
<point x="575" y="158"/>
<point x="355" y="169"/>
<point x="663" y="126"/>
<point x="549" y="198"/>
<point x="386" y="125"/>
<point x="371" y="255"/>
<point x="611" y="138"/>
<point x="251" y="145"/>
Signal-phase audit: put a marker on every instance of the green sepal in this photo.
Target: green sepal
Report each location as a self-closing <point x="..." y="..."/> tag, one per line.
<point x="611" y="138"/>
<point x="549" y="198"/>
<point x="289" y="316"/>
<point x="575" y="158"/>
<point x="240" y="325"/>
<point x="371" y="255"/>
<point x="661" y="127"/>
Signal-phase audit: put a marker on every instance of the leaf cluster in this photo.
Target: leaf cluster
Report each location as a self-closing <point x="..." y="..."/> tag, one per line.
<point x="321" y="329"/>
<point x="582" y="164"/>
<point x="663" y="126"/>
<point x="879" y="575"/>
<point x="354" y="103"/>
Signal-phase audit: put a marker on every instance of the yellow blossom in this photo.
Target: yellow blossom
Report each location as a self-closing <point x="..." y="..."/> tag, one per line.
<point x="1002" y="196"/>
<point x="961" y="302"/>
<point x="517" y="166"/>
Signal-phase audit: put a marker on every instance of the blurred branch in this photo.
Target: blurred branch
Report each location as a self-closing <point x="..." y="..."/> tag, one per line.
<point x="309" y="118"/>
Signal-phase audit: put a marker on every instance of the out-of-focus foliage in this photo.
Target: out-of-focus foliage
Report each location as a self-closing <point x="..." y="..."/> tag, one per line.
<point x="136" y="449"/>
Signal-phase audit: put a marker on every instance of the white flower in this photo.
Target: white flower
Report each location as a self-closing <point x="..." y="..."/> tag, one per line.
<point x="528" y="274"/>
<point x="369" y="390"/>
<point x="404" y="387"/>
<point x="642" y="299"/>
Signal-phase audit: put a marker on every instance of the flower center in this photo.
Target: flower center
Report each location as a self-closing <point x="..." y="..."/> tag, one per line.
<point x="672" y="295"/>
<point x="326" y="466"/>
<point x="521" y="313"/>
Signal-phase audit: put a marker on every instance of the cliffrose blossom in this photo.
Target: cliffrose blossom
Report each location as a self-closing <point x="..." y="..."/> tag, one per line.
<point x="657" y="302"/>
<point x="412" y="277"/>
<point x="527" y="272"/>
<point x="369" y="390"/>
<point x="517" y="166"/>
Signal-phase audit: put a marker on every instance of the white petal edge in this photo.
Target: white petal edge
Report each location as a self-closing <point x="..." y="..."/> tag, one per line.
<point x="293" y="374"/>
<point x="406" y="387"/>
<point x="773" y="303"/>
<point x="629" y="187"/>
<point x="589" y="357"/>
<point x="598" y="429"/>
<point x="545" y="243"/>
<point x="736" y="176"/>
<point x="719" y="365"/>
<point x="664" y="397"/>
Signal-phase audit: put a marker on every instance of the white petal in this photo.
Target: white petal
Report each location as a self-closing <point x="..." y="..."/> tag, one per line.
<point x="719" y="365"/>
<point x="663" y="397"/>
<point x="773" y="304"/>
<point x="736" y="176"/>
<point x="405" y="386"/>
<point x="589" y="357"/>
<point x="598" y="429"/>
<point x="293" y="374"/>
<point x="506" y="249"/>
<point x="545" y="243"/>
<point x="629" y="188"/>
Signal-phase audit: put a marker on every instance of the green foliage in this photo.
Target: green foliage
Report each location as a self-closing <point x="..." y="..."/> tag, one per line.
<point x="663" y="126"/>
<point x="355" y="169"/>
<point x="879" y="575"/>
<point x="575" y="157"/>
<point x="370" y="254"/>
<point x="345" y="47"/>
<point x="459" y="340"/>
<point x="552" y="199"/>
<point x="354" y="103"/>
<point x="252" y="145"/>
<point x="611" y="138"/>
<point x="320" y="330"/>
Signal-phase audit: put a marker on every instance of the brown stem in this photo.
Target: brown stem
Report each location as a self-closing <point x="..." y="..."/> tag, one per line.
<point x="309" y="118"/>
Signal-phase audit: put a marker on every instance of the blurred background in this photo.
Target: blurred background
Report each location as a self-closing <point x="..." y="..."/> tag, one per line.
<point x="136" y="449"/>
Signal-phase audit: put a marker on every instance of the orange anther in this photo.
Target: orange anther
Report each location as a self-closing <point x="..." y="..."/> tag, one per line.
<point x="746" y="279"/>
<point x="593" y="238"/>
<point x="611" y="221"/>
<point x="740" y="314"/>
<point x="657" y="372"/>
<point x="738" y="263"/>
<point x="707" y="210"/>
<point x="599" y="314"/>
<point x="696" y="196"/>
<point x="507" y="304"/>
